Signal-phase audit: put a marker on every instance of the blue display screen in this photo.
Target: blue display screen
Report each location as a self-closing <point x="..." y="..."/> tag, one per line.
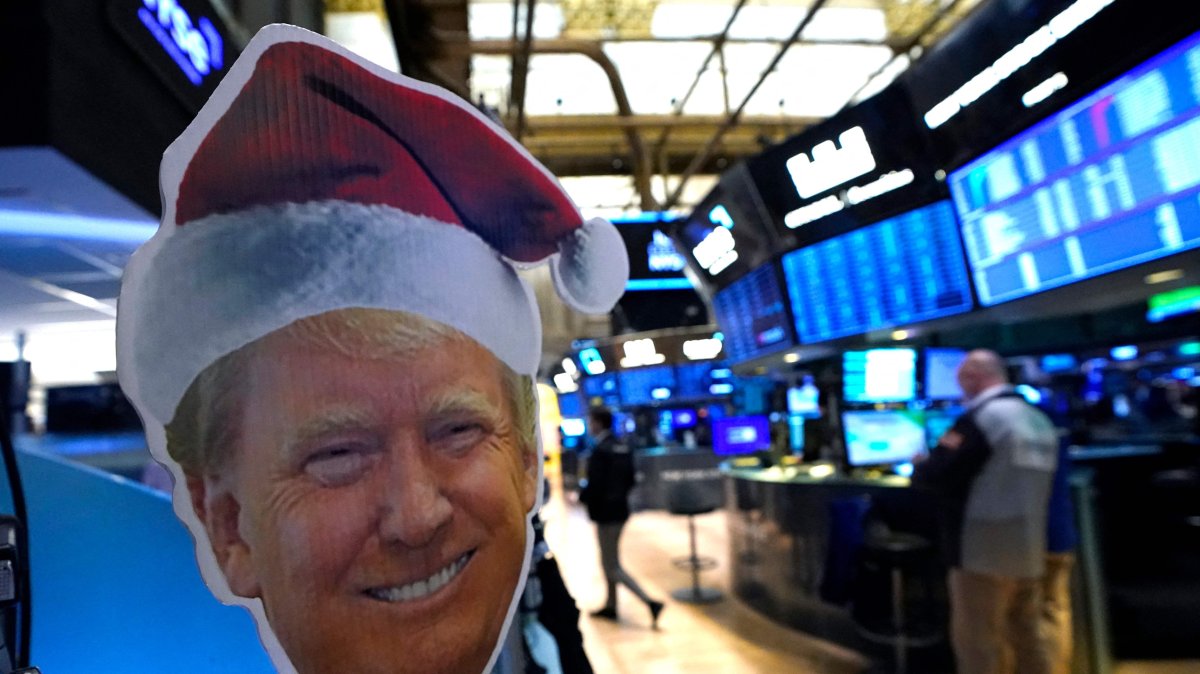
<point x="741" y="435"/>
<point x="753" y="317"/>
<point x="1107" y="183"/>
<point x="693" y="381"/>
<point x="881" y="437"/>
<point x="603" y="386"/>
<point x="941" y="373"/>
<point x="571" y="405"/>
<point x="901" y="270"/>
<point x="879" y="375"/>
<point x="647" y="385"/>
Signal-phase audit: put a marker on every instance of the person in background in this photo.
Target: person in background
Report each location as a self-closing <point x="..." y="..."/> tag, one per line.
<point x="610" y="478"/>
<point x="994" y="469"/>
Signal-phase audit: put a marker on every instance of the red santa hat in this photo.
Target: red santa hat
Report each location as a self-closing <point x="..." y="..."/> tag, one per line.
<point x="314" y="180"/>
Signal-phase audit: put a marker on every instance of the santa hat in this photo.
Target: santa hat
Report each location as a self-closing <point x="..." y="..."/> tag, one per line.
<point x="313" y="180"/>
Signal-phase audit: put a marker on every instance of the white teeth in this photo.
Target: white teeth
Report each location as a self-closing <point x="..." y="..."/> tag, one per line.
<point x="420" y="588"/>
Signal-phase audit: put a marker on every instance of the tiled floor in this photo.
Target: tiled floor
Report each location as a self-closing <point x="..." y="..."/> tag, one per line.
<point x="722" y="637"/>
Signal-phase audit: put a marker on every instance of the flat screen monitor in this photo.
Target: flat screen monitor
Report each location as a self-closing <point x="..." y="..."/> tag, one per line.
<point x="571" y="405"/>
<point x="804" y="400"/>
<point x="753" y="316"/>
<point x="879" y="375"/>
<point x="1109" y="182"/>
<point x="727" y="234"/>
<point x="573" y="428"/>
<point x="870" y="161"/>
<point x="883" y="437"/>
<point x="938" y="420"/>
<point x="603" y="386"/>
<point x="654" y="261"/>
<point x="647" y="385"/>
<point x="683" y="418"/>
<point x="901" y="270"/>
<point x="741" y="435"/>
<point x="941" y="373"/>
<point x="692" y="381"/>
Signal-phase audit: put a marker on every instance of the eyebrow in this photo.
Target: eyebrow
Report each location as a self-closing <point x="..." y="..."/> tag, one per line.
<point x="461" y="401"/>
<point x="329" y="422"/>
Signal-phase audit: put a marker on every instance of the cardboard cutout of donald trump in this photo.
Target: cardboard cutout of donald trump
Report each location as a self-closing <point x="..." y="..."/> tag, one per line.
<point x="333" y="353"/>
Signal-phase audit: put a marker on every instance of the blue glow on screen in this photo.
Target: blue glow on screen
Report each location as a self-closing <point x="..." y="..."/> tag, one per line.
<point x="646" y="385"/>
<point x="753" y="316"/>
<point x="1107" y="183"/>
<point x="901" y="270"/>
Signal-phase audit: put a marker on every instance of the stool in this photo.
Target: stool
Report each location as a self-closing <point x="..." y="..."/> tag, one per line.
<point x="689" y="498"/>
<point x="895" y="553"/>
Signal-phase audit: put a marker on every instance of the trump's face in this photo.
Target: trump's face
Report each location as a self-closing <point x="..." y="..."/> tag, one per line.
<point x="378" y="507"/>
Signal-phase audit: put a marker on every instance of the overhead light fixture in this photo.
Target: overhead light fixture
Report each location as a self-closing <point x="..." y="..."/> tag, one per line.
<point x="900" y="335"/>
<point x="1164" y="276"/>
<point x="792" y="358"/>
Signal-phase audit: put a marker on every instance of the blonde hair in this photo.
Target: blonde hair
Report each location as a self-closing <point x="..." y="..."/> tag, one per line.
<point x="202" y="434"/>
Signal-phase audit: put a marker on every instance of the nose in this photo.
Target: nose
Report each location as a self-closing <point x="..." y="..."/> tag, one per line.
<point x="414" y="507"/>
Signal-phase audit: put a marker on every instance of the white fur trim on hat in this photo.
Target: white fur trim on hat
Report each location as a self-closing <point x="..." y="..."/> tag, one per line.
<point x="592" y="267"/>
<point x="223" y="281"/>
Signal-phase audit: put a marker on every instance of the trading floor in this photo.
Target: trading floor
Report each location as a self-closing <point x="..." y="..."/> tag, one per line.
<point x="694" y="639"/>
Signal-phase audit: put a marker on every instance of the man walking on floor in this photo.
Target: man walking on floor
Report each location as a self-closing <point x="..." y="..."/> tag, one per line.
<point x="610" y="478"/>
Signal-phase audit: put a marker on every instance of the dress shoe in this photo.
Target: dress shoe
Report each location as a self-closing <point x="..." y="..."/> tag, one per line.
<point x="656" y="608"/>
<point x="606" y="613"/>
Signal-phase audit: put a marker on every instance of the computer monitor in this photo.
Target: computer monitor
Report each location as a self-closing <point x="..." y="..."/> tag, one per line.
<point x="573" y="428"/>
<point x="879" y="375"/>
<point x="883" y="437"/>
<point x="939" y="420"/>
<point x="684" y="418"/>
<point x="804" y="400"/>
<point x="741" y="435"/>
<point x="941" y="373"/>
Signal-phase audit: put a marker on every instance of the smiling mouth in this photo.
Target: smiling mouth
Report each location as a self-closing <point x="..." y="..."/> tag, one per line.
<point x="421" y="588"/>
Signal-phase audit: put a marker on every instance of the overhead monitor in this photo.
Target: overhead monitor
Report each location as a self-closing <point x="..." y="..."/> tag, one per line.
<point x="654" y="261"/>
<point x="879" y="375"/>
<point x="941" y="373"/>
<point x="741" y="435"/>
<point x="1109" y="182"/>
<point x="753" y="316"/>
<point x="899" y="271"/>
<point x="647" y="385"/>
<point x="693" y="380"/>
<point x="604" y="387"/>
<point x="883" y="437"/>
<point x="867" y="162"/>
<point x="726" y="235"/>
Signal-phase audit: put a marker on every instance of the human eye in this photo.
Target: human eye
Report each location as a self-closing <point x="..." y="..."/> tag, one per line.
<point x="340" y="464"/>
<point x="459" y="433"/>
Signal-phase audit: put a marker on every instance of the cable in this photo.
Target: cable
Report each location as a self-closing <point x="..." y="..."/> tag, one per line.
<point x="24" y="592"/>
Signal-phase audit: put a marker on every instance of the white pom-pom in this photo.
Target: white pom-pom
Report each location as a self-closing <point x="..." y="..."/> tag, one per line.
<point x="592" y="267"/>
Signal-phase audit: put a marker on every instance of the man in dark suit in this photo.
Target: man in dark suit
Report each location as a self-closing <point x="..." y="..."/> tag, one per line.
<point x="610" y="478"/>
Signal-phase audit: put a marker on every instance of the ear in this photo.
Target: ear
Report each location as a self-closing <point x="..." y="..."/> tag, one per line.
<point x="217" y="507"/>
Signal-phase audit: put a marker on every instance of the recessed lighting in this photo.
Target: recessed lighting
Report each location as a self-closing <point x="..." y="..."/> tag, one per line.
<point x="1164" y="276"/>
<point x="900" y="335"/>
<point x="792" y="358"/>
